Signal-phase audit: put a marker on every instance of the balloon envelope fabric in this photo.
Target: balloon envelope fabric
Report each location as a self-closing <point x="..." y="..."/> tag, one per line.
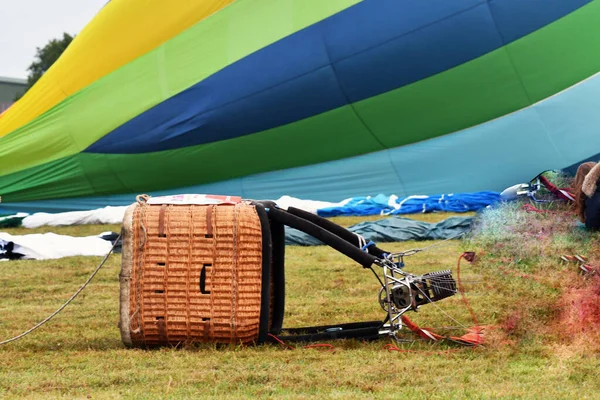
<point x="313" y="99"/>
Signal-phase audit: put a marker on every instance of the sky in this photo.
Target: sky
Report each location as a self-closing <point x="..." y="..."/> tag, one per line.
<point x="28" y="24"/>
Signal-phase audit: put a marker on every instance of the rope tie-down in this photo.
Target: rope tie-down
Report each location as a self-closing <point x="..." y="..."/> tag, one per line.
<point x="62" y="307"/>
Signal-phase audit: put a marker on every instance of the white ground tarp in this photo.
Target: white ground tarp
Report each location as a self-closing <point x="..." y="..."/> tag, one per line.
<point x="50" y="245"/>
<point x="106" y="215"/>
<point x="114" y="215"/>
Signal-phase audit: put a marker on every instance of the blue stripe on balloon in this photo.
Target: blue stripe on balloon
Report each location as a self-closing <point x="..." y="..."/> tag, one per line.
<point x="368" y="49"/>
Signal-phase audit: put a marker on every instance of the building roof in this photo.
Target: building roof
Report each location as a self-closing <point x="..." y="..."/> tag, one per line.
<point x="18" y="81"/>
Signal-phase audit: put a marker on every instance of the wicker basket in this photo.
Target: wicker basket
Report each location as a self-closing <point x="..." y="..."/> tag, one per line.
<point x="193" y="273"/>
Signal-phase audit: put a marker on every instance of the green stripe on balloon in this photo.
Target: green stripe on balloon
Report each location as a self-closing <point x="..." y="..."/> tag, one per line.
<point x="560" y="54"/>
<point x="470" y="94"/>
<point x="337" y="134"/>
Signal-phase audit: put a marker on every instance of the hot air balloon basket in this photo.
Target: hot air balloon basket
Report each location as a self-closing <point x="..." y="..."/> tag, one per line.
<point x="191" y="273"/>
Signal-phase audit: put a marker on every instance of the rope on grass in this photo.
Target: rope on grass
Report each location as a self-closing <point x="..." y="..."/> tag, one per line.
<point x="48" y="318"/>
<point x="531" y="208"/>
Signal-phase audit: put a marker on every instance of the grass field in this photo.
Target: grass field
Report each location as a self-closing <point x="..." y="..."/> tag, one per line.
<point x="541" y="334"/>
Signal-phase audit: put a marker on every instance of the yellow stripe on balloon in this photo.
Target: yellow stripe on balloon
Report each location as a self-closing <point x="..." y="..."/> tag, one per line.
<point x="121" y="32"/>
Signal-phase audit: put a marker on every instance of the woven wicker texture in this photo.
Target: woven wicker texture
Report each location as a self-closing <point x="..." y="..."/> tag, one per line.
<point x="173" y="247"/>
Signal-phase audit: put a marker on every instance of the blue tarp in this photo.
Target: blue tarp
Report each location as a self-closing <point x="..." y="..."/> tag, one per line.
<point x="390" y="205"/>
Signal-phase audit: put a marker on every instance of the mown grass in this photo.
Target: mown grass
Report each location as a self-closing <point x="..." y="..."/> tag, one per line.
<point x="517" y="294"/>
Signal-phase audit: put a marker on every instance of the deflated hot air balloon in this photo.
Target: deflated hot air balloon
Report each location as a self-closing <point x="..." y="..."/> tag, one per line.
<point x="310" y="98"/>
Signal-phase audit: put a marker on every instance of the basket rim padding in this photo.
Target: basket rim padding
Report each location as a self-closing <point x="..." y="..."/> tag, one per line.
<point x="277" y="235"/>
<point x="278" y="276"/>
<point x="267" y="249"/>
